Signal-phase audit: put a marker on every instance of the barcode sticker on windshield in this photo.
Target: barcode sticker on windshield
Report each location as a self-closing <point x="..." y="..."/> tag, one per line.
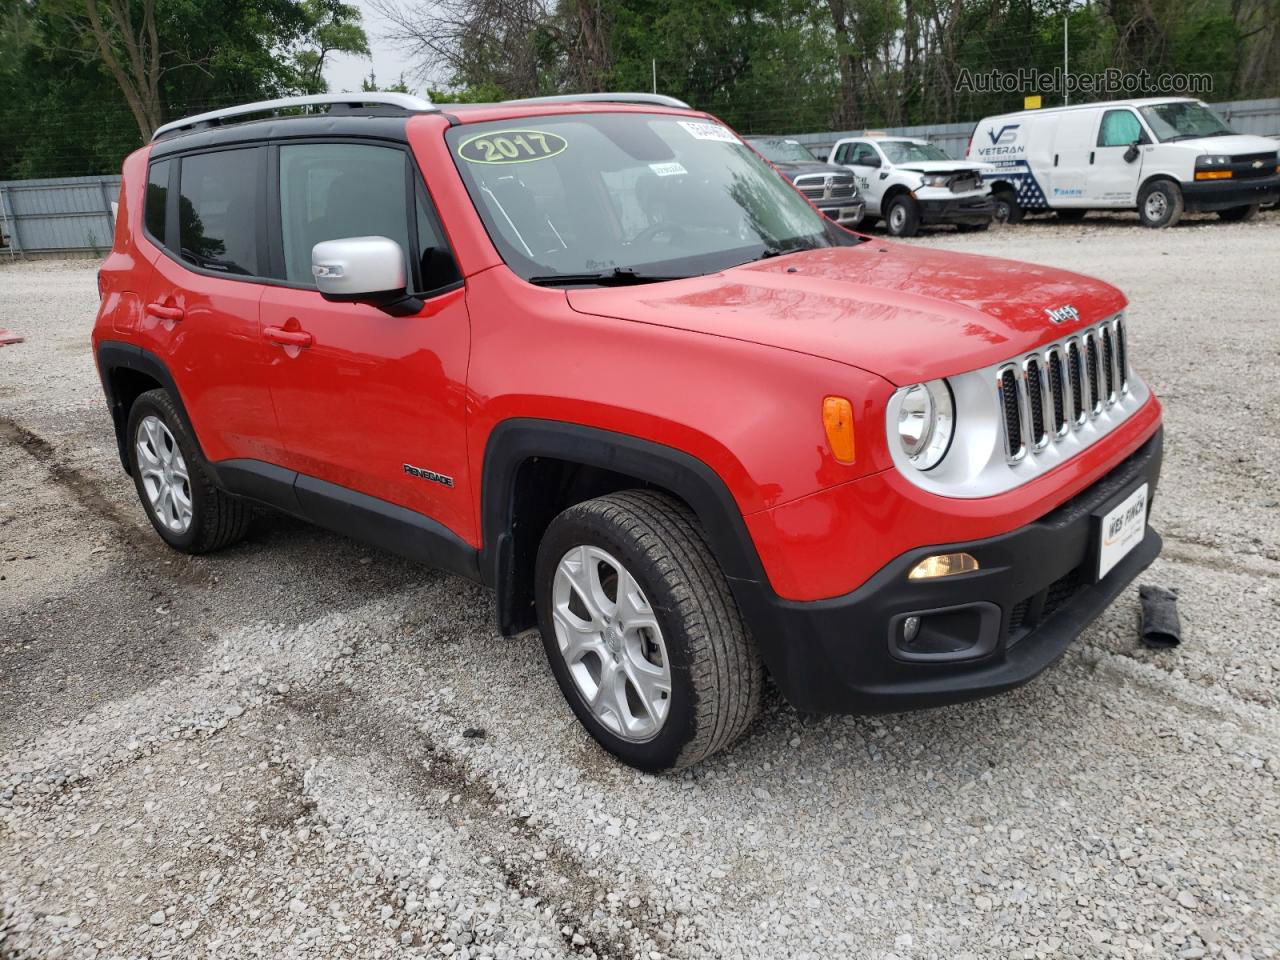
<point x="701" y="130"/>
<point x="672" y="169"/>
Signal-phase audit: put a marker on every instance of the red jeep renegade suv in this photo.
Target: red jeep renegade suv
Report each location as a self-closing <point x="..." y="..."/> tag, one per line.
<point x="595" y="353"/>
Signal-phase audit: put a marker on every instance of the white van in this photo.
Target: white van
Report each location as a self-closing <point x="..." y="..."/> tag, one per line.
<point x="1160" y="156"/>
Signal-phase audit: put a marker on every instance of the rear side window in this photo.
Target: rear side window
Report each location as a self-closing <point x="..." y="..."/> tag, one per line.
<point x="329" y="191"/>
<point x="157" y="200"/>
<point x="1119" y="129"/>
<point x="218" y="212"/>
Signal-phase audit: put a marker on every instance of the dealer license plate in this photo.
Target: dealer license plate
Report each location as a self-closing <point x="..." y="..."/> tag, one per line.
<point x="1122" y="530"/>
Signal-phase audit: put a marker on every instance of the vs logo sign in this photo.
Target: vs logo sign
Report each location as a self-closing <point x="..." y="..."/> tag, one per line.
<point x="1006" y="134"/>
<point x="1063" y="314"/>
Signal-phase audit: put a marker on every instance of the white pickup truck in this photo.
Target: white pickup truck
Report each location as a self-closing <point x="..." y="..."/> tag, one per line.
<point x="909" y="183"/>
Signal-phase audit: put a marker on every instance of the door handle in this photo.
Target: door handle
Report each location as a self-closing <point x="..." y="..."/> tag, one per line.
<point x="1055" y="159"/>
<point x="161" y="312"/>
<point x="288" y="338"/>
<point x="1091" y="156"/>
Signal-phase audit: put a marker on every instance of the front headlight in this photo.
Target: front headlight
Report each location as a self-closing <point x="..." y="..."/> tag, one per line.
<point x="926" y="423"/>
<point x="935" y="180"/>
<point x="1212" y="160"/>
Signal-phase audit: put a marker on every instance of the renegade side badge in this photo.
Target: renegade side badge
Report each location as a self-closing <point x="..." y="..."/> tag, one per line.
<point x="431" y="475"/>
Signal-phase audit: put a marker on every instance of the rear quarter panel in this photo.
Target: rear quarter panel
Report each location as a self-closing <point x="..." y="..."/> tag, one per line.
<point x="126" y="271"/>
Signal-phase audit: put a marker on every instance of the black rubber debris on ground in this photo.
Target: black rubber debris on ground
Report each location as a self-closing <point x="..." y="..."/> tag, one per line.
<point x="1161" y="627"/>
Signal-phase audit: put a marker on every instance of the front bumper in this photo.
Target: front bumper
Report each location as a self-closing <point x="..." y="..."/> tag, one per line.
<point x="969" y="210"/>
<point x="1202" y="195"/>
<point x="847" y="213"/>
<point x="1032" y="596"/>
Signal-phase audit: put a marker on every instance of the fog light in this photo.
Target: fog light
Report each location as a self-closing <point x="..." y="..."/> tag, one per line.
<point x="910" y="627"/>
<point x="943" y="565"/>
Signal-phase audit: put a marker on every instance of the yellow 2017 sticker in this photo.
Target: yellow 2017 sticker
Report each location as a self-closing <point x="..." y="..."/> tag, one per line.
<point x="512" y="146"/>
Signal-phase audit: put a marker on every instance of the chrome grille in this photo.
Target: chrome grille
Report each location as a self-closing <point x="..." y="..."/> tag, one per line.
<point x="1091" y="373"/>
<point x="1075" y="382"/>
<point x="1007" y="383"/>
<point x="1108" y="365"/>
<point x="1058" y="396"/>
<point x="826" y="186"/>
<point x="1122" y="360"/>
<point x="1057" y="389"/>
<point x="1033" y="371"/>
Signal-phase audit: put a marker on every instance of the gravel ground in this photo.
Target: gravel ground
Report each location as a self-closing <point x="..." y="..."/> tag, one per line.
<point x="272" y="751"/>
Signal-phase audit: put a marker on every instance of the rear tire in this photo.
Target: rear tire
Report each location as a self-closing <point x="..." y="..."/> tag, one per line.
<point x="1160" y="204"/>
<point x="1239" y="214"/>
<point x="902" y="219"/>
<point x="1006" y="206"/>
<point x="642" y="632"/>
<point x="174" y="481"/>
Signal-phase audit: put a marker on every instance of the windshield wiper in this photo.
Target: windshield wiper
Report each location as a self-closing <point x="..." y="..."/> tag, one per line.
<point x="770" y="252"/>
<point x="617" y="277"/>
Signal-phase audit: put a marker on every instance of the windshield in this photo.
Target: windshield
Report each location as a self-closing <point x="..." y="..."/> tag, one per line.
<point x="1183" y="120"/>
<point x="904" y="151"/>
<point x="636" y="194"/>
<point x="784" y="151"/>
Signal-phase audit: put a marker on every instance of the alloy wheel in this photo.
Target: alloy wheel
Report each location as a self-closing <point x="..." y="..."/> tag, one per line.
<point x="610" y="640"/>
<point x="164" y="474"/>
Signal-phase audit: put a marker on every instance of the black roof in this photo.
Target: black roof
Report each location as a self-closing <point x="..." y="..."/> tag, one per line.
<point x="380" y="127"/>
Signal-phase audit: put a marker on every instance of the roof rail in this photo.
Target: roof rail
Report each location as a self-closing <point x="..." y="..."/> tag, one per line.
<point x="656" y="99"/>
<point x="402" y="101"/>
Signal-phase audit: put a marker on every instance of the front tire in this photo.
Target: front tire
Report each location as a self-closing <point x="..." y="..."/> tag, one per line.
<point x="1239" y="214"/>
<point x="1160" y="205"/>
<point x="642" y="633"/>
<point x="1006" y="206"/>
<point x="902" y="219"/>
<point x="174" y="482"/>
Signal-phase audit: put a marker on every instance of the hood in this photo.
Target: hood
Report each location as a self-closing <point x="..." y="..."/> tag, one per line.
<point x="940" y="166"/>
<point x="1232" y="145"/>
<point x="794" y="170"/>
<point x="906" y="313"/>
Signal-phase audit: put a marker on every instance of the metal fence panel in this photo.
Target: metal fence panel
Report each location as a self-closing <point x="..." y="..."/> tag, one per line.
<point x="64" y="214"/>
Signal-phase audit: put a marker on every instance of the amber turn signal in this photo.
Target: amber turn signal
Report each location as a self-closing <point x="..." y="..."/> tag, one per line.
<point x="943" y="565"/>
<point x="837" y="417"/>
<point x="1213" y="174"/>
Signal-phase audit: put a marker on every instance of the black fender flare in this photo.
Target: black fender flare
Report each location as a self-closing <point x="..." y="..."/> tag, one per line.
<point x="114" y="355"/>
<point x="514" y="442"/>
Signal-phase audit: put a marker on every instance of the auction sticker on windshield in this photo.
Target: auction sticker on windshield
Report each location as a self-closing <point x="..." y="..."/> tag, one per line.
<point x="672" y="169"/>
<point x="1122" y="530"/>
<point x="512" y="146"/>
<point x="703" y="130"/>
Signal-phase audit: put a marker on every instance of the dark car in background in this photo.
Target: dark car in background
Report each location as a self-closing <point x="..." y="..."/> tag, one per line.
<point x="832" y="189"/>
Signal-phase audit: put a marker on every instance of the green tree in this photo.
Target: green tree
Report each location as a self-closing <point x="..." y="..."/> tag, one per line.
<point x="329" y="27"/>
<point x="69" y="111"/>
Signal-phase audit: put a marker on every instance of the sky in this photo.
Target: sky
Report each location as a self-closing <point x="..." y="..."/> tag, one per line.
<point x="345" y="73"/>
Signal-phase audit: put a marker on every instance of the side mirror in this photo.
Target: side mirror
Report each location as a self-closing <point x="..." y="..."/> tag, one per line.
<point x="1131" y="154"/>
<point x="363" y="270"/>
<point x="872" y="161"/>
